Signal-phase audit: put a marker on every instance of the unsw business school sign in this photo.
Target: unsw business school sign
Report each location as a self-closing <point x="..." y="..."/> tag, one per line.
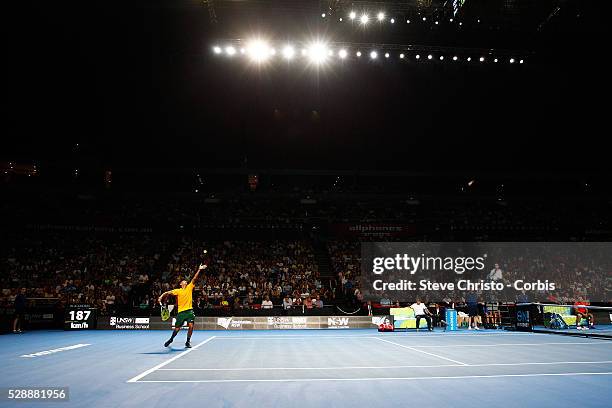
<point x="243" y="323"/>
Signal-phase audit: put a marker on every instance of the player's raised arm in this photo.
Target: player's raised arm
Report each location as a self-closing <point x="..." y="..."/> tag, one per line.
<point x="163" y="295"/>
<point x="200" y="268"/>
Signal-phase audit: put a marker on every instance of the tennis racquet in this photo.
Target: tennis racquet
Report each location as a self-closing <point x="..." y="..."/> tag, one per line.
<point x="165" y="312"/>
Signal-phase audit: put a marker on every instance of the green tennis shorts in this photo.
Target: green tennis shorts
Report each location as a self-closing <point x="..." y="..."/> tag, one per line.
<point x="184" y="316"/>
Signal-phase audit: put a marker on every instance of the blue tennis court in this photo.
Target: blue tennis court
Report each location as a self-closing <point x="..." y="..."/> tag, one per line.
<point x="302" y="367"/>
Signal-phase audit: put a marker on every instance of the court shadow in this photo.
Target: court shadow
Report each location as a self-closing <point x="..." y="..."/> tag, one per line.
<point x="165" y="351"/>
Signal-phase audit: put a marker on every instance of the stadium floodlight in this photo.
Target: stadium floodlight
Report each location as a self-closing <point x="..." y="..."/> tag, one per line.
<point x="364" y="19"/>
<point x="407" y="21"/>
<point x="481" y="59"/>
<point x="288" y="52"/>
<point x="230" y="50"/>
<point x="386" y="55"/>
<point x="304" y="52"/>
<point x="469" y="59"/>
<point x="495" y="60"/>
<point x="455" y="58"/>
<point x="441" y="57"/>
<point x="342" y="53"/>
<point x="512" y="60"/>
<point x="217" y="49"/>
<point x="258" y="50"/>
<point x="380" y="16"/>
<point x="358" y="53"/>
<point x="437" y="23"/>
<point x="424" y="18"/>
<point x="272" y="51"/>
<point x="340" y="19"/>
<point x="242" y="50"/>
<point x="429" y="56"/>
<point x="392" y="21"/>
<point x="460" y="23"/>
<point x="451" y="20"/>
<point x="322" y="15"/>
<point x="521" y="61"/>
<point x="373" y="55"/>
<point x="352" y="15"/>
<point x="317" y="52"/>
<point x="418" y="56"/>
<point x="402" y="55"/>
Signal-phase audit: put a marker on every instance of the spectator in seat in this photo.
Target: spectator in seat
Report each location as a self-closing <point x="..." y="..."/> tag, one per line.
<point x="267" y="303"/>
<point x="287" y="303"/>
<point x="308" y="303"/>
<point x="318" y="303"/>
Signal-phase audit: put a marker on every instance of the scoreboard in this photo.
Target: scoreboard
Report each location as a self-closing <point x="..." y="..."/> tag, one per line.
<point x="79" y="317"/>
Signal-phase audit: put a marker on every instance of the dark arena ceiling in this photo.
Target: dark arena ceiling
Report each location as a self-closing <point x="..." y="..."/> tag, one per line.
<point x="129" y="84"/>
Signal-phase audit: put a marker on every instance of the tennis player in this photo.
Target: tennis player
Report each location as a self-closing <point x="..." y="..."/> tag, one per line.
<point x="185" y="307"/>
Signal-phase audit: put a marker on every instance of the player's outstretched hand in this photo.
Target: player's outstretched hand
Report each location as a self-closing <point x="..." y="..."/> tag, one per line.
<point x="202" y="266"/>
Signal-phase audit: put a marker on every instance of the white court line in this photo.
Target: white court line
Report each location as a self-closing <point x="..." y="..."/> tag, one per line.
<point x="421" y="351"/>
<point x="459" y="377"/>
<point x="384" y="367"/>
<point x="399" y="335"/>
<point x="57" y="350"/>
<point x="607" y="343"/>
<point x="157" y="367"/>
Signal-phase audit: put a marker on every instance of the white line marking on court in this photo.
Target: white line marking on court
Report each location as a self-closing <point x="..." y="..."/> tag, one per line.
<point x="57" y="350"/>
<point x="459" y="377"/>
<point x="421" y="351"/>
<point x="517" y="344"/>
<point x="385" y="367"/>
<point x="399" y="335"/>
<point x="150" y="370"/>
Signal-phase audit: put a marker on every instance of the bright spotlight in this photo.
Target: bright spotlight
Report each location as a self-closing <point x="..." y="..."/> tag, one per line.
<point x="495" y="60"/>
<point x="342" y="53"/>
<point x="304" y="52"/>
<point x="258" y="50"/>
<point x="373" y="55"/>
<point x="512" y="60"/>
<point x="322" y="15"/>
<point x="352" y="15"/>
<point x="451" y="20"/>
<point x="469" y="58"/>
<point x="364" y="19"/>
<point x="402" y="56"/>
<point x="380" y="16"/>
<point x="318" y="53"/>
<point x="230" y="50"/>
<point x="288" y="52"/>
<point x="386" y="55"/>
<point x="272" y="51"/>
<point x="418" y="56"/>
<point x="521" y="61"/>
<point x="407" y="21"/>
<point x="424" y="18"/>
<point x="217" y="50"/>
<point x="455" y="58"/>
<point x="441" y="57"/>
<point x="481" y="59"/>
<point x="358" y="53"/>
<point x="429" y="56"/>
<point x="392" y="21"/>
<point x="340" y="19"/>
<point x="242" y="50"/>
<point x="437" y="23"/>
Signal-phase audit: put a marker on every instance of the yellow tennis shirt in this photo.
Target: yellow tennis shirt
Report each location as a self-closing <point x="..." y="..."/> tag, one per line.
<point x="185" y="297"/>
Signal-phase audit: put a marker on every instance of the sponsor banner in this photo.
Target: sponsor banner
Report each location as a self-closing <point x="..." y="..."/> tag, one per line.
<point x="521" y="272"/>
<point x="524" y="318"/>
<point x="372" y="230"/>
<point x="242" y="323"/>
